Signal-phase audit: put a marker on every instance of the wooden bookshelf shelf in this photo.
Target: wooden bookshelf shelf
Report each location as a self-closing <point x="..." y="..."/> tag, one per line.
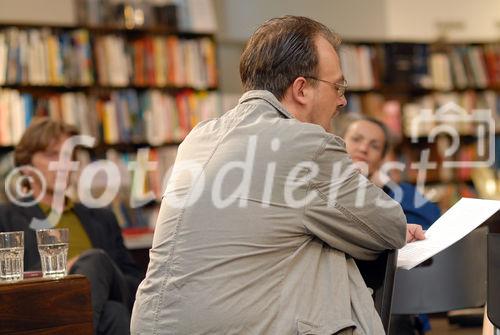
<point x="76" y="87"/>
<point x="154" y="87"/>
<point x="147" y="30"/>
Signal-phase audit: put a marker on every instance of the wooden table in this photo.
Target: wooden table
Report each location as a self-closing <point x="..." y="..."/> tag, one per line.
<point x="46" y="306"/>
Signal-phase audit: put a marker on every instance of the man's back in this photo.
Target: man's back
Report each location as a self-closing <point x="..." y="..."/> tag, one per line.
<point x="253" y="240"/>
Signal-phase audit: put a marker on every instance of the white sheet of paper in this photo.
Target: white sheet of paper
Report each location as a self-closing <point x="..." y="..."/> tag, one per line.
<point x="466" y="215"/>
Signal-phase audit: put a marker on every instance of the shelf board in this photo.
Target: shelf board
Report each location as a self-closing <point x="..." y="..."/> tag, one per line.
<point x="39" y="25"/>
<point x="164" y="30"/>
<point x="70" y="87"/>
<point x="153" y="87"/>
<point x="412" y="90"/>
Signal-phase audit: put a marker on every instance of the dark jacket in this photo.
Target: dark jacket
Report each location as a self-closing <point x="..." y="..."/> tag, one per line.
<point x="99" y="223"/>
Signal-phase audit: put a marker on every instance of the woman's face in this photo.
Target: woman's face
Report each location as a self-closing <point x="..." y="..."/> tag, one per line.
<point x="365" y="142"/>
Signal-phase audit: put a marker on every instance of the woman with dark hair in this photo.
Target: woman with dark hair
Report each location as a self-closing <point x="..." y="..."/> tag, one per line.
<point x="368" y="141"/>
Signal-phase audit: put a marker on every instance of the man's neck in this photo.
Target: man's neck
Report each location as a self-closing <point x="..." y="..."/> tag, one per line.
<point x="297" y="111"/>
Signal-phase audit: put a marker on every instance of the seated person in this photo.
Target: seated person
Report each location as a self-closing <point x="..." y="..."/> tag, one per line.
<point x="96" y="247"/>
<point x="271" y="251"/>
<point x="368" y="141"/>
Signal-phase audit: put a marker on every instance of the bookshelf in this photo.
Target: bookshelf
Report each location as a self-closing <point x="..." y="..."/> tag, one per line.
<point x="45" y="70"/>
<point x="137" y="85"/>
<point x="399" y="82"/>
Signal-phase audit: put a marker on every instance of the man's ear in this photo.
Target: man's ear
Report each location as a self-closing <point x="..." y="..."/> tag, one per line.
<point x="300" y="90"/>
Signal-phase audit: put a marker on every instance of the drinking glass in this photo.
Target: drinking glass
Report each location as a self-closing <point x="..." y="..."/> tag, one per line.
<point x="53" y="249"/>
<point x="11" y="255"/>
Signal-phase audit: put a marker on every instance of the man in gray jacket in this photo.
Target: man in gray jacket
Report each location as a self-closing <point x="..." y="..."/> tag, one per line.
<point x="264" y="211"/>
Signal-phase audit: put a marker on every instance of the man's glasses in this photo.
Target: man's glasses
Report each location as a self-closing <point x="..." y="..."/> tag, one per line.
<point x="340" y="87"/>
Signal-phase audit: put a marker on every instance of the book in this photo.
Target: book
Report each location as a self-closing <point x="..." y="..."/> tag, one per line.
<point x="440" y="72"/>
<point x="458" y="70"/>
<point x="3" y="58"/>
<point x="366" y="80"/>
<point x="5" y="138"/>
<point x="476" y="59"/>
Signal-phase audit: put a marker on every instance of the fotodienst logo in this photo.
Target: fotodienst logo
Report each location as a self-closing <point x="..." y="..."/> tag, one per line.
<point x="456" y="123"/>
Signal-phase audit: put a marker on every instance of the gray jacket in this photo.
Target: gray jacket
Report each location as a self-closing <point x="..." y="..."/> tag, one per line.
<point x="258" y="229"/>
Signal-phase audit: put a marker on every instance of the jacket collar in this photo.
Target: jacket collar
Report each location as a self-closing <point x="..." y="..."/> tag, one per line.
<point x="268" y="97"/>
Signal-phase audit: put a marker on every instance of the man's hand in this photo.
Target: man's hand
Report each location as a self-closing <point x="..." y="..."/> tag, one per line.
<point x="414" y="233"/>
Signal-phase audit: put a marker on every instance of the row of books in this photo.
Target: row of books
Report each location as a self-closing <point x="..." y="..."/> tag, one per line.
<point x="432" y="123"/>
<point x="153" y="117"/>
<point x="45" y="57"/>
<point x="420" y="116"/>
<point x="123" y="116"/>
<point x="465" y="159"/>
<point x="421" y="65"/>
<point x="360" y="66"/>
<point x="466" y="66"/>
<point x="18" y="109"/>
<point x="156" y="61"/>
<point x="463" y="112"/>
<point x="186" y="15"/>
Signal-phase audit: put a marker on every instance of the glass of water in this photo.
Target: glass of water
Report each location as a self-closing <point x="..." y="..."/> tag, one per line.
<point x="11" y="256"/>
<point x="53" y="249"/>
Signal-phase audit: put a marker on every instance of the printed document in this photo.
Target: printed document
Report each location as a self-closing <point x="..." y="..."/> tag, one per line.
<point x="466" y="215"/>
